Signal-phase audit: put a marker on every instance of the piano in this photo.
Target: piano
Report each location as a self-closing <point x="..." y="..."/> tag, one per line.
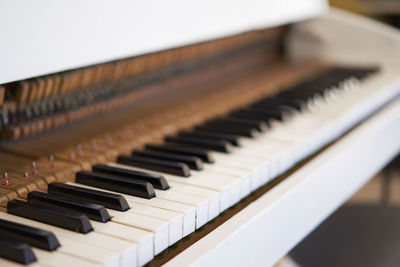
<point x="176" y="133"/>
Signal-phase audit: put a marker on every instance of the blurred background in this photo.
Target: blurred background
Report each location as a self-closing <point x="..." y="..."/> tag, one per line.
<point x="384" y="10"/>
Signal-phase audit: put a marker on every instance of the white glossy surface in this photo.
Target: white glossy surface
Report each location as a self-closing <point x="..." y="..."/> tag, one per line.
<point x="44" y="36"/>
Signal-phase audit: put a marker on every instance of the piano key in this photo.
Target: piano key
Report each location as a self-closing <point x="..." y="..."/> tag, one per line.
<point x="240" y="174"/>
<point x="204" y="155"/>
<point x="279" y="102"/>
<point x="71" y="247"/>
<point x="230" y="188"/>
<point x="161" y="234"/>
<point x="228" y="129"/>
<point x="203" y="213"/>
<point x="171" y="167"/>
<point x="207" y="144"/>
<point x="118" y="184"/>
<point x="158" y="227"/>
<point x="202" y="204"/>
<point x="92" y="211"/>
<point x="260" y="112"/>
<point x="233" y="139"/>
<point x="157" y="181"/>
<point x="188" y="212"/>
<point x="127" y="251"/>
<point x="8" y="263"/>
<point x="144" y="239"/>
<point x="26" y="234"/>
<point x="252" y="116"/>
<point x="175" y="219"/>
<point x="89" y="252"/>
<point x="255" y="124"/>
<point x="213" y="196"/>
<point x="194" y="163"/>
<point x="111" y="201"/>
<point x="16" y="251"/>
<point x="68" y="220"/>
<point x="243" y="175"/>
<point x="58" y="259"/>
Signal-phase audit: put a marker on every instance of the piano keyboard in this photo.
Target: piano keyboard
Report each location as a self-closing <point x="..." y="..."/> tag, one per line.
<point x="126" y="212"/>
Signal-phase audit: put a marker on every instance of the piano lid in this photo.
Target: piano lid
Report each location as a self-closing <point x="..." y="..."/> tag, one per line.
<point x="44" y="36"/>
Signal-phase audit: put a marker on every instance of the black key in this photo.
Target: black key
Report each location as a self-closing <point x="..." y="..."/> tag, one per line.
<point x="194" y="163"/>
<point x="16" y="251"/>
<point x="250" y="116"/>
<point x="108" y="200"/>
<point x="228" y="129"/>
<point x="262" y="112"/>
<point x="255" y="124"/>
<point x="68" y="220"/>
<point x="234" y="126"/>
<point x="158" y="181"/>
<point x="216" y="145"/>
<point x="282" y="103"/>
<point x="93" y="211"/>
<point x="291" y="94"/>
<point x="204" y="155"/>
<point x="123" y="185"/>
<point x="171" y="167"/>
<point x="233" y="139"/>
<point x="27" y="234"/>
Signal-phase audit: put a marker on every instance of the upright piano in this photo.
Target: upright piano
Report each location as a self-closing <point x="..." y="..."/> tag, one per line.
<point x="176" y="133"/>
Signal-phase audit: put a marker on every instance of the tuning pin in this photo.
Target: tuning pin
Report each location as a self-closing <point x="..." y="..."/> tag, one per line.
<point x="26" y="175"/>
<point x="109" y="141"/>
<point x="52" y="161"/>
<point x="6" y="181"/>
<point x="72" y="157"/>
<point x="93" y="145"/>
<point x="33" y="165"/>
<point x="79" y="149"/>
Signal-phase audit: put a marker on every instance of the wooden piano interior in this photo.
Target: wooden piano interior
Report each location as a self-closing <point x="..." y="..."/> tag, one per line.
<point x="149" y="97"/>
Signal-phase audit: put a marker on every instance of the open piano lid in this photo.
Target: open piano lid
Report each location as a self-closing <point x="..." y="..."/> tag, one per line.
<point x="44" y="36"/>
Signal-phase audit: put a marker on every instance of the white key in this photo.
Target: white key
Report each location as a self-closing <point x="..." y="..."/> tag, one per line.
<point x="259" y="168"/>
<point x="143" y="238"/>
<point x="175" y="219"/>
<point x="158" y="227"/>
<point x="230" y="188"/>
<point x="9" y="263"/>
<point x="201" y="204"/>
<point x="212" y="196"/>
<point x="90" y="252"/>
<point x="126" y="251"/>
<point x="56" y="258"/>
<point x="241" y="174"/>
<point x="188" y="212"/>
